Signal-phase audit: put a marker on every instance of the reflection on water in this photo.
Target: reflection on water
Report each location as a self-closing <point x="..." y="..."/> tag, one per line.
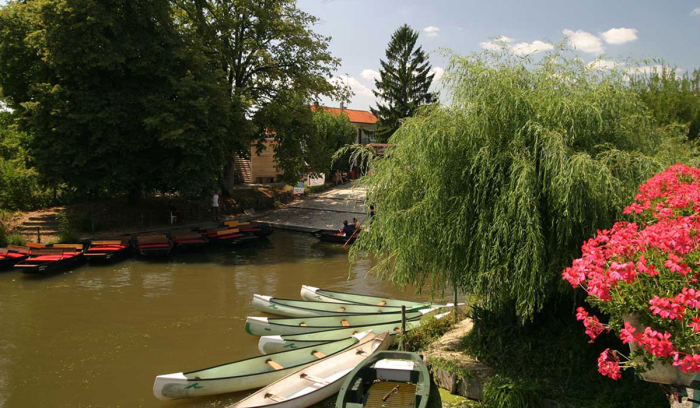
<point x="97" y="336"/>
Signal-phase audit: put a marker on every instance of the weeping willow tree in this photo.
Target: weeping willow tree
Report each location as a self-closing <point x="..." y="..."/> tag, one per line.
<point x="495" y="192"/>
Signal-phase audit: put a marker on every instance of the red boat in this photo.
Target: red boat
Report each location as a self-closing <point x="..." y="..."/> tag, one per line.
<point x="152" y="245"/>
<point x="51" y="259"/>
<point x="107" y="250"/>
<point x="188" y="239"/>
<point x="13" y="254"/>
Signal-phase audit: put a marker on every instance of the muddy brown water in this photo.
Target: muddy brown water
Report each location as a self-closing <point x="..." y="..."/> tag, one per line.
<point x="97" y="336"/>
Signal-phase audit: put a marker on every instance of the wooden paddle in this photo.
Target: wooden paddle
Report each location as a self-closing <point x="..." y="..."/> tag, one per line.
<point x="354" y="234"/>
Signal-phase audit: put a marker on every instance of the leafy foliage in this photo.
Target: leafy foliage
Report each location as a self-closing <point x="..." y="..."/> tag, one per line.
<point x="270" y="59"/>
<point x="20" y="186"/>
<point x="430" y="330"/>
<point x="495" y="193"/>
<point x="404" y="83"/>
<point x="115" y="97"/>
<point x="502" y="392"/>
<point x="671" y="98"/>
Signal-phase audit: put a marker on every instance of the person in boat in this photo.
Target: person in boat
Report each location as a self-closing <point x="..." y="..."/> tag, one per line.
<point x="371" y="212"/>
<point x="357" y="225"/>
<point x="347" y="229"/>
<point x="215" y="206"/>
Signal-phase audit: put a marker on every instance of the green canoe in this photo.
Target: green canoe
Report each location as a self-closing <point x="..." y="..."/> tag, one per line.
<point x="315" y="294"/>
<point x="303" y="308"/>
<point x="263" y="326"/>
<point x="391" y="379"/>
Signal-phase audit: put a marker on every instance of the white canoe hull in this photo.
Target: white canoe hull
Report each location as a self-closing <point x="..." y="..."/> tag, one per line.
<point x="245" y="374"/>
<point x="263" y="326"/>
<point x="312" y="293"/>
<point x="316" y="382"/>
<point x="277" y="343"/>
<point x="302" y="308"/>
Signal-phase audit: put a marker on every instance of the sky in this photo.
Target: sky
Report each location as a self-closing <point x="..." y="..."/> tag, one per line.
<point x="610" y="30"/>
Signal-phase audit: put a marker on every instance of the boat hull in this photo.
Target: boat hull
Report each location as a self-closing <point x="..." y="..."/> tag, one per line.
<point x="245" y="374"/>
<point x="312" y="293"/>
<point x="331" y="237"/>
<point x="301" y="308"/>
<point x="316" y="382"/>
<point x="50" y="267"/>
<point x="262" y="326"/>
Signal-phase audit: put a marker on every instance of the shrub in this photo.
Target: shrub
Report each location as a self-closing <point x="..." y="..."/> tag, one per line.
<point x="503" y="392"/>
<point x="430" y="330"/>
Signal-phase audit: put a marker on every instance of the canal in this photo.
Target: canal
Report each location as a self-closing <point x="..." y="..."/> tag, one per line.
<point x="97" y="336"/>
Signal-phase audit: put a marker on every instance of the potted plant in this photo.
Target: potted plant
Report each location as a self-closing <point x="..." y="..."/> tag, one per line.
<point x="644" y="276"/>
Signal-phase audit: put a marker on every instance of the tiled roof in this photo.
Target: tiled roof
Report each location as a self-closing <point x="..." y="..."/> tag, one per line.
<point x="356" y="116"/>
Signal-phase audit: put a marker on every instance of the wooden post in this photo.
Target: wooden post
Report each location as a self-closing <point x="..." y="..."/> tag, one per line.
<point x="402" y="346"/>
<point x="38" y="235"/>
<point x="454" y="284"/>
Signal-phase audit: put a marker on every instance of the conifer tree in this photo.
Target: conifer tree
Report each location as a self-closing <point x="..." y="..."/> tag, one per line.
<point x="404" y="82"/>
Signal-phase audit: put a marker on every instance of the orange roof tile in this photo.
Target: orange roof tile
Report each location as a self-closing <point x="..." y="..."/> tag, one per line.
<point x="355" y="116"/>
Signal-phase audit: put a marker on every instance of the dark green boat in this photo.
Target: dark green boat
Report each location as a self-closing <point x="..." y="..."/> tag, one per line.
<point x="387" y="379"/>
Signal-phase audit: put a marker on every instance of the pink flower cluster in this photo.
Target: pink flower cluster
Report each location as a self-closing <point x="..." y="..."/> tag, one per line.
<point x="658" y="255"/>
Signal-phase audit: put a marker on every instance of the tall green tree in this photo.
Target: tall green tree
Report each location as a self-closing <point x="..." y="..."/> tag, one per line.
<point x="404" y="82"/>
<point x="270" y="59"/>
<point x="116" y="98"/>
<point x="496" y="192"/>
<point x="672" y="99"/>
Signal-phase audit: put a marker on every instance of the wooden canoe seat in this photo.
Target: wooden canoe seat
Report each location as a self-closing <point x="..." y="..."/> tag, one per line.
<point x="274" y="364"/>
<point x="68" y="246"/>
<point x="34" y="245"/>
<point x="382" y="303"/>
<point x="227" y="231"/>
<point x="109" y="242"/>
<point x="317" y="354"/>
<point x="345" y="323"/>
<point x="47" y="251"/>
<point x="153" y="238"/>
<point x="302" y="324"/>
<point x="313" y="379"/>
<point x="341" y="309"/>
<point x="275" y="398"/>
<point x="4" y="250"/>
<point x="232" y="224"/>
<point x="18" y="248"/>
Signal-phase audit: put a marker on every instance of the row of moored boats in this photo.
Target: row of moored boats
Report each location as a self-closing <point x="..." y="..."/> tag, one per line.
<point x="35" y="258"/>
<point x="327" y="343"/>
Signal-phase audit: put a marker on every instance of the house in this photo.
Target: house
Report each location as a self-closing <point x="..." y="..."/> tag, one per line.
<point x="260" y="168"/>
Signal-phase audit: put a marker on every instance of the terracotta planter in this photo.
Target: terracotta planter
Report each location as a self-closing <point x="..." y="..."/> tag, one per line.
<point x="660" y="372"/>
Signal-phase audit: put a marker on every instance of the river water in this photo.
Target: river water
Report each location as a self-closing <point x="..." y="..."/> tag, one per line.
<point x="98" y="335"/>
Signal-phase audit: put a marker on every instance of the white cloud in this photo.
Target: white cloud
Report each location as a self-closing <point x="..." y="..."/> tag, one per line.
<point x="370" y="74"/>
<point x="585" y="41"/>
<point x="354" y="85"/>
<point x="619" y="35"/>
<point x="496" y="44"/>
<point x="695" y="12"/>
<point x="431" y="31"/>
<point x="438" y="71"/>
<point x="534" y="47"/>
<point x="603" y="65"/>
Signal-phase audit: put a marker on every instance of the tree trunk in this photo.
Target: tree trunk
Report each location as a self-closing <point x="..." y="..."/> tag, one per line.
<point x="229" y="179"/>
<point x="136" y="194"/>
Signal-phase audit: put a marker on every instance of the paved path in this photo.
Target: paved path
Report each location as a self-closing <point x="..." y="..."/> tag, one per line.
<point x="323" y="211"/>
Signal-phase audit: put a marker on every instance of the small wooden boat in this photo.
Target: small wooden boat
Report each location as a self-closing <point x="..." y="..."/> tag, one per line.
<point x="303" y="308"/>
<point x="245" y="374"/>
<point x="229" y="236"/>
<point x="316" y="294"/>
<point x="274" y="344"/>
<point x="335" y="237"/>
<point x="316" y="382"/>
<point x="107" y="250"/>
<point x="12" y="255"/>
<point x="263" y="326"/>
<point x="387" y="379"/>
<point x="152" y="244"/>
<point x="188" y="239"/>
<point x="246" y="227"/>
<point x="52" y="259"/>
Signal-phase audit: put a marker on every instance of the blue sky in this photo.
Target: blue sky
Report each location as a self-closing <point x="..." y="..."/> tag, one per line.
<point x="610" y="29"/>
